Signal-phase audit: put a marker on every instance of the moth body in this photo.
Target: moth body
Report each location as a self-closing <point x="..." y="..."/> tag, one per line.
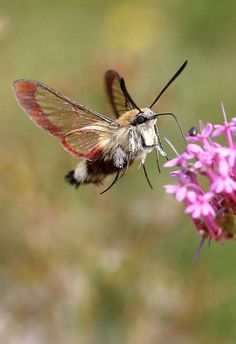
<point x="129" y="142"/>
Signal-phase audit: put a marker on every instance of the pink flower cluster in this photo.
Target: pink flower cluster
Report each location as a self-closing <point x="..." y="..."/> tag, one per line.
<point x="206" y="180"/>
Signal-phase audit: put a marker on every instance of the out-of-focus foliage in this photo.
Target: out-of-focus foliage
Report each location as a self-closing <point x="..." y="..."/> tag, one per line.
<point x="78" y="267"/>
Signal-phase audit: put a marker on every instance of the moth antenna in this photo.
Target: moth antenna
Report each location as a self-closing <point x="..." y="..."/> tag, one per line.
<point x="113" y="183"/>
<point x="176" y="120"/>
<point x="127" y="96"/>
<point x="179" y="71"/>
<point x="146" y="175"/>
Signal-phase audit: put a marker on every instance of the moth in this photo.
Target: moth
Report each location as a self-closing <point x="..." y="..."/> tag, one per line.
<point x="105" y="145"/>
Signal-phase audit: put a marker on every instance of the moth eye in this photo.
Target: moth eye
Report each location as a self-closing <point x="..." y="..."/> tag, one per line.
<point x="140" y="119"/>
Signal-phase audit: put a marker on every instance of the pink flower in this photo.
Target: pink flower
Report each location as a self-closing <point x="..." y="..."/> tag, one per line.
<point x="229" y="154"/>
<point x="200" y="205"/>
<point x="212" y="208"/>
<point x="221" y="129"/>
<point x="223" y="181"/>
<point x="180" y="192"/>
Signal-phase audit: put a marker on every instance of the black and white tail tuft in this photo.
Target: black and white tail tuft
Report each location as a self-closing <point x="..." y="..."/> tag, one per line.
<point x="70" y="178"/>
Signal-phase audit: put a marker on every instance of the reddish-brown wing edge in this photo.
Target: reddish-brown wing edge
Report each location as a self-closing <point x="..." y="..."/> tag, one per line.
<point x="25" y="91"/>
<point x="28" y="88"/>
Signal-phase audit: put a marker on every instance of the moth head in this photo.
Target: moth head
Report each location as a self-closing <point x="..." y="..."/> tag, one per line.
<point x="144" y="117"/>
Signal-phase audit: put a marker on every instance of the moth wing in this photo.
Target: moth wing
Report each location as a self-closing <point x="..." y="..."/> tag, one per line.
<point x="119" y="103"/>
<point x="64" y="118"/>
<point x="90" y="142"/>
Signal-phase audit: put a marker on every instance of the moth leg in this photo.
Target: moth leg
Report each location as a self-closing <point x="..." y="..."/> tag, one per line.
<point x="157" y="150"/>
<point x="160" y="147"/>
<point x="158" y="136"/>
<point x="124" y="170"/>
<point x="146" y="175"/>
<point x="113" y="182"/>
<point x="123" y="173"/>
<point x="158" y="160"/>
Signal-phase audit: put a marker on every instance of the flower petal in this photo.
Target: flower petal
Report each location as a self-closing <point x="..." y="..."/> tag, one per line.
<point x="172" y="162"/>
<point x="207" y="130"/>
<point x="220" y="129"/>
<point x="171" y="188"/>
<point x="223" y="168"/>
<point x="181" y="193"/>
<point x="194" y="149"/>
<point x="192" y="196"/>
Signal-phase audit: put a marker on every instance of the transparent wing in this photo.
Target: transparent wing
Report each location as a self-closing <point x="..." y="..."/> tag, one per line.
<point x="119" y="102"/>
<point x="90" y="143"/>
<point x="64" y="118"/>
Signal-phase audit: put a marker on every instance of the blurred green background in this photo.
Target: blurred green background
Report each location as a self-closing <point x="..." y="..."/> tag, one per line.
<point x="78" y="267"/>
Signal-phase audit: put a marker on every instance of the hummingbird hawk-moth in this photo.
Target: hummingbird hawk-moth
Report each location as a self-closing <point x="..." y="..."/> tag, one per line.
<point x="106" y="146"/>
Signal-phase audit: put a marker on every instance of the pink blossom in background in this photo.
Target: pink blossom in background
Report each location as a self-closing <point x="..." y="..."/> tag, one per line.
<point x="206" y="180"/>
